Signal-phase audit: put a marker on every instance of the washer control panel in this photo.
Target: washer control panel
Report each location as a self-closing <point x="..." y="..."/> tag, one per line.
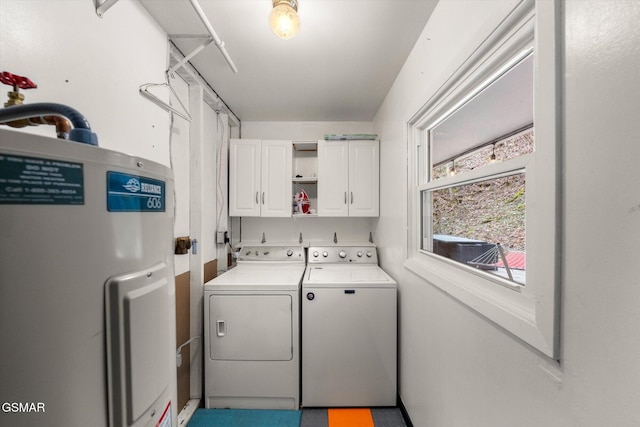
<point x="343" y="254"/>
<point x="271" y="253"/>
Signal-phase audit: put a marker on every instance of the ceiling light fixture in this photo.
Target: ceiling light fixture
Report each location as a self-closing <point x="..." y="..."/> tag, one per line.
<point x="283" y="19"/>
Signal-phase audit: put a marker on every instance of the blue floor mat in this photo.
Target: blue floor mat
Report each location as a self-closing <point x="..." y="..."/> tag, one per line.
<point x="245" y="418"/>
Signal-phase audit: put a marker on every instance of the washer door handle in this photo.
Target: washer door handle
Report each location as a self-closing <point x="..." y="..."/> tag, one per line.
<point x="221" y="328"/>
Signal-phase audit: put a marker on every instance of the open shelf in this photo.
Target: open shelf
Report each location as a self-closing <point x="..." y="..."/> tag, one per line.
<point x="297" y="215"/>
<point x="305" y="145"/>
<point x="305" y="180"/>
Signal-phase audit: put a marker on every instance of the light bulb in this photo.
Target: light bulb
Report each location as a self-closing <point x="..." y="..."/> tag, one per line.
<point x="283" y="19"/>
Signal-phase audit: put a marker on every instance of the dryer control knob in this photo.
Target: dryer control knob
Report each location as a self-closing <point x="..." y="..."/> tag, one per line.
<point x="315" y="254"/>
<point x="360" y="253"/>
<point x="325" y="254"/>
<point x="342" y="254"/>
<point x="289" y="252"/>
<point x="369" y="254"/>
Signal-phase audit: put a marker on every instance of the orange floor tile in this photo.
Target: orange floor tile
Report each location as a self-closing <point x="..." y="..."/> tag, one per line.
<point x="350" y="418"/>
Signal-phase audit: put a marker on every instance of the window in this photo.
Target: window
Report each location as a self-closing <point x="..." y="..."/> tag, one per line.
<point x="480" y="222"/>
<point x="484" y="189"/>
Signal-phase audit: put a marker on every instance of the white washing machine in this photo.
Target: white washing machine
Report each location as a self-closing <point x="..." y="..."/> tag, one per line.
<point x="252" y="331"/>
<point x="349" y="329"/>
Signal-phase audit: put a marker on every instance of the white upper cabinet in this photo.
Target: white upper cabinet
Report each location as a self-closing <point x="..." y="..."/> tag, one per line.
<point x="333" y="178"/>
<point x="244" y="177"/>
<point x="260" y="178"/>
<point x="276" y="195"/>
<point x="364" y="178"/>
<point x="348" y="178"/>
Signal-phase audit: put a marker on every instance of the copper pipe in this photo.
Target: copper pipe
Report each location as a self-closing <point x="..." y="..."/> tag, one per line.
<point x="26" y="114"/>
<point x="63" y="126"/>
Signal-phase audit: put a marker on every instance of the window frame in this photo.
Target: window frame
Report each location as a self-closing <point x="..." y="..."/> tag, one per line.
<point x="528" y="312"/>
<point x="501" y="170"/>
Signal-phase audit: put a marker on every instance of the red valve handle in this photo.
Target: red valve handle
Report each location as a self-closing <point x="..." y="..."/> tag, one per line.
<point x="16" y="81"/>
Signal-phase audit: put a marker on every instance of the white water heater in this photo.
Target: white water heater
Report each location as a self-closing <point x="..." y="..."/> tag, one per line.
<point x="87" y="297"/>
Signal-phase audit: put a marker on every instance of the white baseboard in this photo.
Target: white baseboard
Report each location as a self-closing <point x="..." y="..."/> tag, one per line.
<point x="187" y="412"/>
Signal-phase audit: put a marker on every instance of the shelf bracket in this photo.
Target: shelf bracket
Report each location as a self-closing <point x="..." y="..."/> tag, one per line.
<point x="207" y="41"/>
<point x="211" y="36"/>
<point x="103" y="5"/>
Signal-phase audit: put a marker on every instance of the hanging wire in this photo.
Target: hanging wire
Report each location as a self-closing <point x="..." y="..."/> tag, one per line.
<point x="160" y="103"/>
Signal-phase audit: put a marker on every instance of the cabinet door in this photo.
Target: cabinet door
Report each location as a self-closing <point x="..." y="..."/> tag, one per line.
<point x="276" y="197"/>
<point x="364" y="178"/>
<point x="333" y="178"/>
<point x="244" y="177"/>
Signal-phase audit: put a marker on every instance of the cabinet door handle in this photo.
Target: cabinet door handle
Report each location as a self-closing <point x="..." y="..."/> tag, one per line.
<point x="221" y="328"/>
<point x="345" y="197"/>
<point x="263" y="197"/>
<point x="352" y="197"/>
<point x="257" y="198"/>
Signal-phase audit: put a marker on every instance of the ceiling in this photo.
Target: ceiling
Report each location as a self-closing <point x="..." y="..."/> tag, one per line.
<point x="338" y="68"/>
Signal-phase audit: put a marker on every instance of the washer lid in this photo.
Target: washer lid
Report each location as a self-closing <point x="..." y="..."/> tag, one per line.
<point x="347" y="275"/>
<point x="262" y="277"/>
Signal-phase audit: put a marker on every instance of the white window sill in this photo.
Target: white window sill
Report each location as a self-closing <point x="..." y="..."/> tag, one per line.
<point x="511" y="309"/>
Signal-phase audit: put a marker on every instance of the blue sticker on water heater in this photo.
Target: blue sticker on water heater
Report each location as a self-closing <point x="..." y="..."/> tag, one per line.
<point x="132" y="193"/>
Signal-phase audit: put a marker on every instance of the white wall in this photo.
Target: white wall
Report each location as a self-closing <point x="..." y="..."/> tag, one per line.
<point x="194" y="164"/>
<point x="303" y="131"/>
<point x="456" y="367"/>
<point x="209" y="185"/>
<point x="315" y="231"/>
<point x="93" y="65"/>
<point x="180" y="161"/>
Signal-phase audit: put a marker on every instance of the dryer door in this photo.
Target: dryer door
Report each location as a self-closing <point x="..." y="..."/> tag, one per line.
<point x="250" y="327"/>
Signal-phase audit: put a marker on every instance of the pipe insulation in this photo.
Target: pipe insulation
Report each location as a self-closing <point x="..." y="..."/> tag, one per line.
<point x="81" y="131"/>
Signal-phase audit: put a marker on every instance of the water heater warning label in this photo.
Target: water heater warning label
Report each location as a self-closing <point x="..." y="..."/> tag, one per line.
<point x="38" y="181"/>
<point x="131" y="193"/>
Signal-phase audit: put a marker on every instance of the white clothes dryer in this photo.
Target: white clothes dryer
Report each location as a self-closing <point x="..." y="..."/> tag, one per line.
<point x="252" y="332"/>
<point x="349" y="322"/>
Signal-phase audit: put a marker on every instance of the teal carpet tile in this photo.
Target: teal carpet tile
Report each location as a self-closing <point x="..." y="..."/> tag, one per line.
<point x="245" y="418"/>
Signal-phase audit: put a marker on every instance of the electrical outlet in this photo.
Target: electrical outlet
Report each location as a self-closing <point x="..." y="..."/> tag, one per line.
<point x="222" y="238"/>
